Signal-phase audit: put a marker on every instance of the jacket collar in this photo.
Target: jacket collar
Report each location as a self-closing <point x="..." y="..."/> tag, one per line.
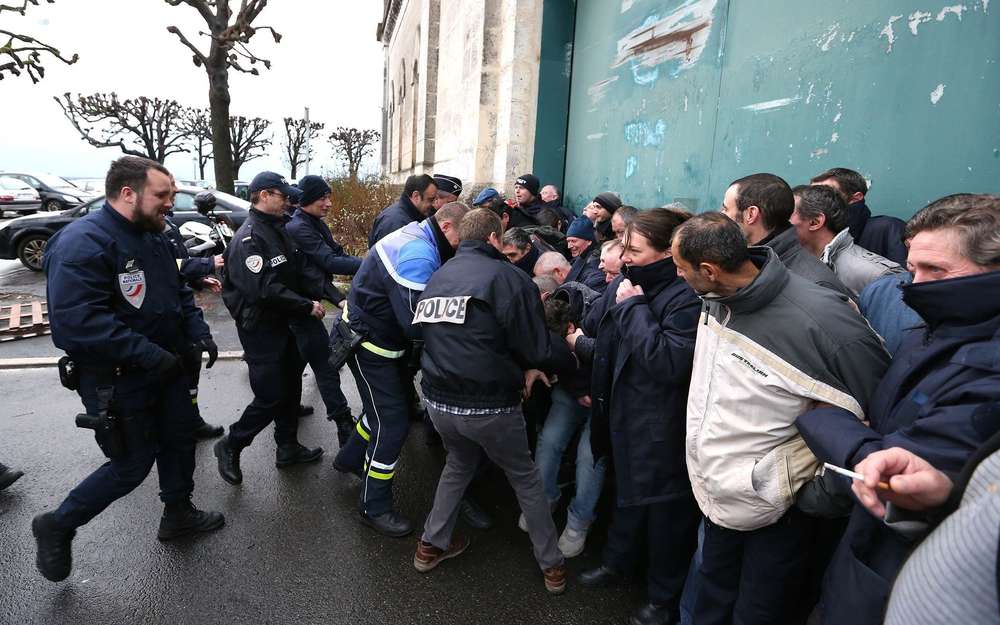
<point x="445" y="250"/>
<point x="652" y="277"/>
<point x="481" y="248"/>
<point x="120" y="221"/>
<point x="267" y="218"/>
<point x="782" y="240"/>
<point x="957" y="305"/>
<point x="410" y="209"/>
<point x="841" y="242"/>
<point x="858" y="215"/>
<point x="765" y="287"/>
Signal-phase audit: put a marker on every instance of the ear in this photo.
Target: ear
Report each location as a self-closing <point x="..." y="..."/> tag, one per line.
<point x="817" y="222"/>
<point x="751" y="215"/>
<point x="710" y="271"/>
<point x="857" y="197"/>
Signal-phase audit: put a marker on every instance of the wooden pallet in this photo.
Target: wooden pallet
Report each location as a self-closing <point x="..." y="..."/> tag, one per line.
<point x="21" y="321"/>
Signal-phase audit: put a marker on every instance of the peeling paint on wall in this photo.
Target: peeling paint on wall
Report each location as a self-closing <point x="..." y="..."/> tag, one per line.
<point x="956" y="10"/>
<point x="595" y="136"/>
<point x="770" y="105"/>
<point x="823" y="43"/>
<point x="680" y="36"/>
<point x="599" y="89"/>
<point x="916" y="19"/>
<point x="641" y="133"/>
<point x="627" y="4"/>
<point x="631" y="164"/>
<point x="937" y="93"/>
<point x="889" y="33"/>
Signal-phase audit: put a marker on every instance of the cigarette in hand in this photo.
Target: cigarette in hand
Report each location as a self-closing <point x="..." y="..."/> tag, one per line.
<point x="853" y="475"/>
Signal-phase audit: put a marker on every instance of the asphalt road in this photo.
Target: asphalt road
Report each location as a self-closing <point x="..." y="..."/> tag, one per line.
<point x="292" y="550"/>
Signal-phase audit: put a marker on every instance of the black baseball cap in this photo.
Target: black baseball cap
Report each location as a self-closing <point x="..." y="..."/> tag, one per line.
<point x="270" y="180"/>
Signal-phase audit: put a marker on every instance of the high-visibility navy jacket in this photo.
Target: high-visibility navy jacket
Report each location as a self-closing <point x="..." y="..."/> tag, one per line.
<point x="392" y="218"/>
<point x="115" y="296"/>
<point x="392" y="276"/>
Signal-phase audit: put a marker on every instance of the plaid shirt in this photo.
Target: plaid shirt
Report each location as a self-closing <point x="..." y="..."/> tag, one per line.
<point x="468" y="412"/>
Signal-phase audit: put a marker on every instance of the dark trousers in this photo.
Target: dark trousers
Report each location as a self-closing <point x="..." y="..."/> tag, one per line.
<point x="753" y="577"/>
<point x="378" y="438"/>
<point x="668" y="532"/>
<point x="276" y="380"/>
<point x="314" y="346"/>
<point x="192" y="367"/>
<point x="158" y="426"/>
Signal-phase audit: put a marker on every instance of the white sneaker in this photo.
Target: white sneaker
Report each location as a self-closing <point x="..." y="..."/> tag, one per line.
<point x="522" y="523"/>
<point x="572" y="541"/>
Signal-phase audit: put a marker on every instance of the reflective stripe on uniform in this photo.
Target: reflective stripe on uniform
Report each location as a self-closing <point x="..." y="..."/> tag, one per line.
<point x="373" y="348"/>
<point x="362" y="432"/>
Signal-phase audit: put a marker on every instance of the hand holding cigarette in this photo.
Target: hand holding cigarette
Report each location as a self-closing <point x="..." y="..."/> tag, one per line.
<point x="901" y="477"/>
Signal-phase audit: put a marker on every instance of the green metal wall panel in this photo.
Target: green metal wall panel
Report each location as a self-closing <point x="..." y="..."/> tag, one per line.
<point x="553" y="90"/>
<point x="907" y="92"/>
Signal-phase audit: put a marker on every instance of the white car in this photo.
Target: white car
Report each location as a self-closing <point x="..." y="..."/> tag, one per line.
<point x="17" y="196"/>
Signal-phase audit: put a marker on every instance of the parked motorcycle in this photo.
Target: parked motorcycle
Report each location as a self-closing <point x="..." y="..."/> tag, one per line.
<point x="202" y="239"/>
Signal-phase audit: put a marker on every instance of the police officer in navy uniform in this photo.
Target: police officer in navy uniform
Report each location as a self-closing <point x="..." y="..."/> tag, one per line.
<point x="197" y="272"/>
<point x="380" y="308"/>
<point x="123" y="314"/>
<point x="262" y="288"/>
<point x="449" y="189"/>
<point x="324" y="258"/>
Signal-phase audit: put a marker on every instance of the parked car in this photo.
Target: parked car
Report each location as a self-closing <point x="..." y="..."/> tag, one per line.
<point x="201" y="184"/>
<point x="94" y="186"/>
<point x="241" y="188"/>
<point x="56" y="193"/>
<point x="17" y="196"/>
<point x="24" y="238"/>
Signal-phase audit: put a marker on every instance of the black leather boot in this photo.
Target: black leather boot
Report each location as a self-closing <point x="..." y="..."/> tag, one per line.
<point x="229" y="461"/>
<point x="651" y="614"/>
<point x="602" y="577"/>
<point x="391" y="524"/>
<point x="8" y="476"/>
<point x="182" y="518"/>
<point x="55" y="547"/>
<point x="294" y="453"/>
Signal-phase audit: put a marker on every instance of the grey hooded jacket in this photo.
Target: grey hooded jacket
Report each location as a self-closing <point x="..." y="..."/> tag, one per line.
<point x="854" y="265"/>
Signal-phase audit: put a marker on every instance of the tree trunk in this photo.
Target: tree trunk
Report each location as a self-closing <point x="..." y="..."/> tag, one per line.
<point x="218" y="99"/>
<point x="295" y="171"/>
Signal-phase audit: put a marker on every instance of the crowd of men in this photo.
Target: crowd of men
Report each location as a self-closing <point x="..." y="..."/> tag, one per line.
<point x="707" y="366"/>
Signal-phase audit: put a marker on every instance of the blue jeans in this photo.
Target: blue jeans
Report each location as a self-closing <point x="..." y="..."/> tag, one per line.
<point x="693" y="581"/>
<point x="565" y="417"/>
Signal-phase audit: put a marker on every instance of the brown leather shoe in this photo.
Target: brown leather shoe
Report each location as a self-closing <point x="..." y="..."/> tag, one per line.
<point x="555" y="579"/>
<point x="428" y="556"/>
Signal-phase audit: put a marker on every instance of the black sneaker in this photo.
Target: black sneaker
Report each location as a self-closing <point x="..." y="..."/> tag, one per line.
<point x="287" y="455"/>
<point x="55" y="547"/>
<point x="182" y="518"/>
<point x="474" y="515"/>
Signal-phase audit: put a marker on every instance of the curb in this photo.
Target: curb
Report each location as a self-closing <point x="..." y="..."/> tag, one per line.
<point x="52" y="361"/>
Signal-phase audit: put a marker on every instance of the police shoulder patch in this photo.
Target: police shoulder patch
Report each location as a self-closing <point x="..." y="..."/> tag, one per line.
<point x="255" y="263"/>
<point x="442" y="310"/>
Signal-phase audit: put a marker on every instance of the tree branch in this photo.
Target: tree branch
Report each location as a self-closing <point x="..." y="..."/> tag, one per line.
<point x="199" y="58"/>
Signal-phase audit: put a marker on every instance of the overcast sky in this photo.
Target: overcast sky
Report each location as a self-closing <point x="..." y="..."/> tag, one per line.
<point x="328" y="60"/>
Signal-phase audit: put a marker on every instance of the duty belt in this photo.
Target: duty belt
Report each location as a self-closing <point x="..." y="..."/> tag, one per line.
<point x="372" y="347"/>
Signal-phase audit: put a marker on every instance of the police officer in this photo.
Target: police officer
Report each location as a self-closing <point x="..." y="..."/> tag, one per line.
<point x="380" y="309"/>
<point x="262" y="288"/>
<point x="483" y="326"/>
<point x="449" y="189"/>
<point x="324" y="257"/>
<point x="121" y="311"/>
<point x="197" y="272"/>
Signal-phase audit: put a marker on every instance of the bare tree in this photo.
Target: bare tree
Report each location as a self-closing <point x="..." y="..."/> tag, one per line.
<point x="229" y="37"/>
<point x="148" y="127"/>
<point x="249" y="141"/>
<point x="353" y="145"/>
<point x="296" y="136"/>
<point x="24" y="51"/>
<point x="198" y="130"/>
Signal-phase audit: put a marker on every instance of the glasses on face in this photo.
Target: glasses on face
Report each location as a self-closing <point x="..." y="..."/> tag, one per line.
<point x="281" y="195"/>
